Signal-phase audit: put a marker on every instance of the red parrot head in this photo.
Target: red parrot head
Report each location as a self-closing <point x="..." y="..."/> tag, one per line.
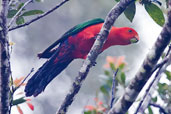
<point x="128" y="35"/>
<point x="123" y="36"/>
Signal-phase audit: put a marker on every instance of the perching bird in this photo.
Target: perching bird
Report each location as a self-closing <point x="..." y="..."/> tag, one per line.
<point x="74" y="44"/>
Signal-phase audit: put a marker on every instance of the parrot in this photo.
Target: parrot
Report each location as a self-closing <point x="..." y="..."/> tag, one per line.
<point x="75" y="44"/>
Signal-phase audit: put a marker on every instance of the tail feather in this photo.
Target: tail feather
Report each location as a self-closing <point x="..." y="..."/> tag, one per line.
<point x="44" y="75"/>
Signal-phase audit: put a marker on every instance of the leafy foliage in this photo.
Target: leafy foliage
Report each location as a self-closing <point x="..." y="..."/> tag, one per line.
<point x="11" y="13"/>
<point x="99" y="108"/>
<point x="154" y="99"/>
<point x="130" y="11"/>
<point x="112" y="64"/>
<point x="117" y="0"/>
<point x="32" y="12"/>
<point x="168" y="74"/>
<point x="15" y="86"/>
<point x="20" y="6"/>
<point x="20" y="20"/>
<point x="155" y="12"/>
<point x="38" y="0"/>
<point x="150" y="111"/>
<point x="20" y="17"/>
<point x="18" y="101"/>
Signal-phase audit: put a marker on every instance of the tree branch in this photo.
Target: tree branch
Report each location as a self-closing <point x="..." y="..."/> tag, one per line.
<point x="113" y="87"/>
<point x="145" y="71"/>
<point x="149" y="91"/>
<point x="19" y="11"/>
<point x="15" y="88"/>
<point x="10" y="2"/>
<point x="94" y="52"/>
<point x="40" y="16"/>
<point x="4" y="60"/>
<point x="158" y="106"/>
<point x="32" y="70"/>
<point x="164" y="61"/>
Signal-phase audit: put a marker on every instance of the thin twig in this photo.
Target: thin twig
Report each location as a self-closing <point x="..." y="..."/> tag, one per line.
<point x="158" y="106"/>
<point x="11" y="94"/>
<point x="113" y="87"/>
<point x="32" y="70"/>
<point x="159" y="72"/>
<point x="163" y="61"/>
<point x="159" y="65"/>
<point x="40" y="16"/>
<point x="168" y="50"/>
<point x="17" y="14"/>
<point x="15" y="88"/>
<point x="10" y="2"/>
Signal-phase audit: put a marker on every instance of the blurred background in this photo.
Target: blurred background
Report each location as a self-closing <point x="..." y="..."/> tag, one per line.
<point x="32" y="39"/>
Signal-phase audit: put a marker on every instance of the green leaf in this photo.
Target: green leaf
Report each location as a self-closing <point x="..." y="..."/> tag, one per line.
<point x="20" y="20"/>
<point x="162" y="87"/>
<point x="163" y="55"/>
<point x="150" y="110"/>
<point x="38" y="0"/>
<point x="121" y="66"/>
<point x="90" y="112"/>
<point x="130" y="11"/>
<point x="94" y="112"/>
<point x="168" y="73"/>
<point x="87" y="112"/>
<point x="123" y="77"/>
<point x="11" y="13"/>
<point x="112" y="66"/>
<point x="118" y="78"/>
<point x="107" y="73"/>
<point x="18" y="101"/>
<point x="154" y="99"/>
<point x="105" y="89"/>
<point x="117" y="0"/>
<point x="155" y="12"/>
<point x="32" y="12"/>
<point x="20" y="5"/>
<point x="109" y="82"/>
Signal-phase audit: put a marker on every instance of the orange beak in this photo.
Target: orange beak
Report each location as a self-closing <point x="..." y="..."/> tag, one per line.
<point x="135" y="39"/>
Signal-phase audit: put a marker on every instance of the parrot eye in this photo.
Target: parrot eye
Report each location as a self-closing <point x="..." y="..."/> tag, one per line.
<point x="130" y="31"/>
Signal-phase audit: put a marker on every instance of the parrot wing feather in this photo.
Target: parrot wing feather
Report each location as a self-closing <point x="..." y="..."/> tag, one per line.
<point x="48" y="52"/>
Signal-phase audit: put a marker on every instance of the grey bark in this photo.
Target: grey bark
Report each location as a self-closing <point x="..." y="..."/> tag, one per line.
<point x="145" y="72"/>
<point x="146" y="100"/>
<point x="4" y="60"/>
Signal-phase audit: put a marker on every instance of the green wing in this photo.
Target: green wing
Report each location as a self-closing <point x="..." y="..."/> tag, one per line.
<point x="80" y="27"/>
<point x="74" y="31"/>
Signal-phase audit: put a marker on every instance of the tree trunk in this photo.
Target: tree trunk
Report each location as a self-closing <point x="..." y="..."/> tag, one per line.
<point x="4" y="60"/>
